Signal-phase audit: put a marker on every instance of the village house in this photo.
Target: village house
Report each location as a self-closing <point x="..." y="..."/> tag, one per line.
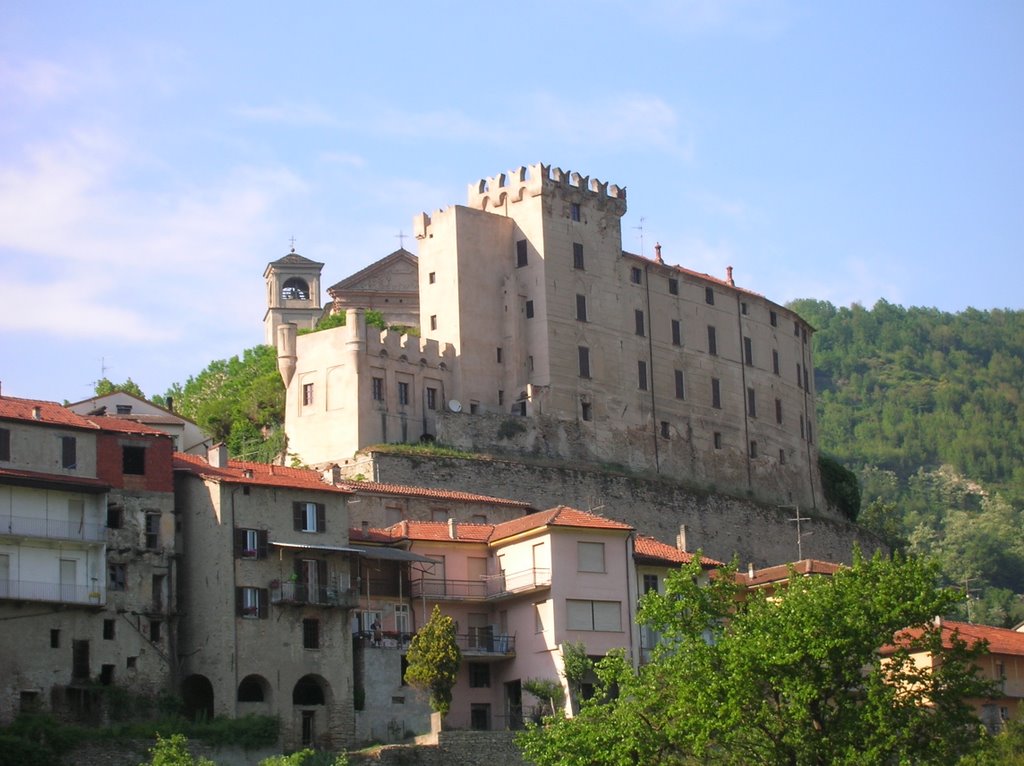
<point x="185" y="435"/>
<point x="87" y="572"/>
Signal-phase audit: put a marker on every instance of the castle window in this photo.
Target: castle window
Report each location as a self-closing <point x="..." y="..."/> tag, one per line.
<point x="529" y="362"/>
<point x="584" y="356"/>
<point x="581" y="307"/>
<point x="782" y="457"/>
<point x="431" y="277"/>
<point x="753" y="449"/>
<point x="775" y="361"/>
<point x="377" y="389"/>
<point x="673" y="286"/>
<point x="498" y="355"/>
<point x="310" y="633"/>
<point x="709" y="296"/>
<point x="641" y="374"/>
<point x="577" y="255"/>
<point x="664" y="429"/>
<point x="635" y="275"/>
<point x="529" y="309"/>
<point x="677" y="333"/>
<point x="520" y="253"/>
<point x="716" y="394"/>
<point x="680" y="390"/>
<point x="796" y="328"/>
<point x="587" y="412"/>
<point x="295" y="289"/>
<point x="718" y="439"/>
<point x="431" y="398"/>
<point x="133" y="460"/>
<point x="307" y="394"/>
<point x="574" y="211"/>
<point x="751" y="403"/>
<point x="403" y="393"/>
<point x="778" y="411"/>
<point x="801" y="426"/>
<point x="799" y="376"/>
<point x="433" y="321"/>
<point x="748" y="351"/>
<point x="743" y="308"/>
<point x="712" y="341"/>
<point x="501" y="397"/>
<point x="807" y="384"/>
<point x="773" y="319"/>
<point x="638" y="320"/>
<point x="809" y="439"/>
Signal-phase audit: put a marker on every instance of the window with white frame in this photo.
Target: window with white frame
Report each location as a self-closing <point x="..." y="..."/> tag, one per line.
<point x="309" y="517"/>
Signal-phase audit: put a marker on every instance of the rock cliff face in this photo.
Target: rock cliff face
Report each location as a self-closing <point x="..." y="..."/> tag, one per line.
<point x="720" y="525"/>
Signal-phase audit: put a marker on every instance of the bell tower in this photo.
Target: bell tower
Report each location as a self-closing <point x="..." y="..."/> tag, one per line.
<point x="293" y="294"/>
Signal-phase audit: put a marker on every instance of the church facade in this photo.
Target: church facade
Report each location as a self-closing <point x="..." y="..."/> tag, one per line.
<point x="538" y="334"/>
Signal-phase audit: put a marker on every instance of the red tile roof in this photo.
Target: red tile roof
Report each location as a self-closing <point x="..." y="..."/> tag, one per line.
<point x="50" y="413"/>
<point x="436" y="494"/>
<point x="437" y="531"/>
<point x="255" y="474"/>
<point x="649" y="550"/>
<point x="1000" y="640"/>
<point x="123" y="425"/>
<point x="691" y="273"/>
<point x="780" y="572"/>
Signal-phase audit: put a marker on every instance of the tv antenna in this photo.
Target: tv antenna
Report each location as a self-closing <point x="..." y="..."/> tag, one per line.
<point x="640" y="228"/>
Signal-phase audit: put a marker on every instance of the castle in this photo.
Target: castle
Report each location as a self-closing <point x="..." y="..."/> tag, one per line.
<point x="538" y="334"/>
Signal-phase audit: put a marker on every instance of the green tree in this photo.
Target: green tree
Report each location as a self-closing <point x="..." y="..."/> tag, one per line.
<point x="173" y="751"/>
<point x="105" y="386"/>
<point x="434" y="659"/>
<point x="796" y="679"/>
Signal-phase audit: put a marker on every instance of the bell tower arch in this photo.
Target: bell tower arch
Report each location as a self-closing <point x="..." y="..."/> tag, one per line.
<point x="293" y="294"/>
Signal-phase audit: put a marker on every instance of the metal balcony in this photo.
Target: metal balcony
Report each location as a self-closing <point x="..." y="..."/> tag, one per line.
<point x="51" y="529"/>
<point x="483" y="644"/>
<point x="301" y="594"/>
<point x="505" y="585"/>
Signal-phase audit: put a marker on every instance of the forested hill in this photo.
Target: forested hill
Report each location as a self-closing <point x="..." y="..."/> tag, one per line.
<point x="904" y="388"/>
<point x="927" y="407"/>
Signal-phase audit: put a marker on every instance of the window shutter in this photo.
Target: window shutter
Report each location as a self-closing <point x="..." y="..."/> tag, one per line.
<point x="321" y="518"/>
<point x="239" y="542"/>
<point x="264" y="602"/>
<point x="321" y="573"/>
<point x="261" y="543"/>
<point x="300" y="570"/>
<point x="298" y="514"/>
<point x="239" y="601"/>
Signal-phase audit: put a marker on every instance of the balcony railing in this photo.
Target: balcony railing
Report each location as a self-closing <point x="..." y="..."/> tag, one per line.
<point x="33" y="526"/>
<point x="493" y="587"/>
<point x="302" y="594"/>
<point x="482" y="642"/>
<point x="26" y="590"/>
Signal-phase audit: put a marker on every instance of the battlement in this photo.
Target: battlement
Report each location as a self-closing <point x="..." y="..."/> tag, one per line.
<point x="411" y="349"/>
<point x="536" y="179"/>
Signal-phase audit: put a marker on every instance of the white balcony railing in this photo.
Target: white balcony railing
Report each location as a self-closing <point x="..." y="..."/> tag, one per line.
<point x="52" y="529"/>
<point x="27" y="590"/>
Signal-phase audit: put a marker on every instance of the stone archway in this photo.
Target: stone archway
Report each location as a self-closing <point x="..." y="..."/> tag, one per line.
<point x="197" y="697"/>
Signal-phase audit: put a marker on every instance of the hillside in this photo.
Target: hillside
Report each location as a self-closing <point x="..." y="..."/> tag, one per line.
<point x="927" y="407"/>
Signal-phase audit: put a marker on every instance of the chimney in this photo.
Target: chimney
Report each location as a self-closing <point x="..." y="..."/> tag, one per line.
<point x="657" y="252"/>
<point x="37" y="413"/>
<point x="728" y="276"/>
<point x="366" y="529"/>
<point x="405" y="527"/>
<point x="681" y="538"/>
<point x="332" y="475"/>
<point x="217" y="455"/>
<point x="750" y="570"/>
<point x="453" y="532"/>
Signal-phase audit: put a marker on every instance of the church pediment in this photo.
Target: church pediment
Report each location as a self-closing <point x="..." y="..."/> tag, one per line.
<point x="395" y="273"/>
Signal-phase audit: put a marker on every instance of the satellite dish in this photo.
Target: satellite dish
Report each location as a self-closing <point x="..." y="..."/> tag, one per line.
<point x="455" y="405"/>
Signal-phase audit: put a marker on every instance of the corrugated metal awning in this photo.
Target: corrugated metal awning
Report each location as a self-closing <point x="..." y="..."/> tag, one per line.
<point x="308" y="547"/>
<point x="392" y="554"/>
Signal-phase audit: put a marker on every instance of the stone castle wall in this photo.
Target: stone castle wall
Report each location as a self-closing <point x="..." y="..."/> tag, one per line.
<point x="719" y="525"/>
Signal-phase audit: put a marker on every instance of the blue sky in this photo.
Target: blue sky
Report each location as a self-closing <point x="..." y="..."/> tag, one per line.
<point x="155" y="157"/>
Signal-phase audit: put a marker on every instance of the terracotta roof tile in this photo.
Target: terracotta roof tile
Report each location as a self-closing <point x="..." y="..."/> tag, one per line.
<point x="437" y="531"/>
<point x="780" y="572"/>
<point x="649" y="549"/>
<point x="50" y="413"/>
<point x="124" y="425"/>
<point x="255" y="474"/>
<point x="1000" y="640"/>
<point x="561" y="516"/>
<point x="437" y="494"/>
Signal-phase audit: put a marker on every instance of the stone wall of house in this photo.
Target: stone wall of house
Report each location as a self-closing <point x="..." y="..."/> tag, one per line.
<point x="453" y="748"/>
<point x="720" y="525"/>
<point x="134" y="752"/>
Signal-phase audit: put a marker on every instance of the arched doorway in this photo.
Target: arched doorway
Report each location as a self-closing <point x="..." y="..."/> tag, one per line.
<point x="254" y="688"/>
<point x="310" y="693"/>
<point x="197" y="698"/>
